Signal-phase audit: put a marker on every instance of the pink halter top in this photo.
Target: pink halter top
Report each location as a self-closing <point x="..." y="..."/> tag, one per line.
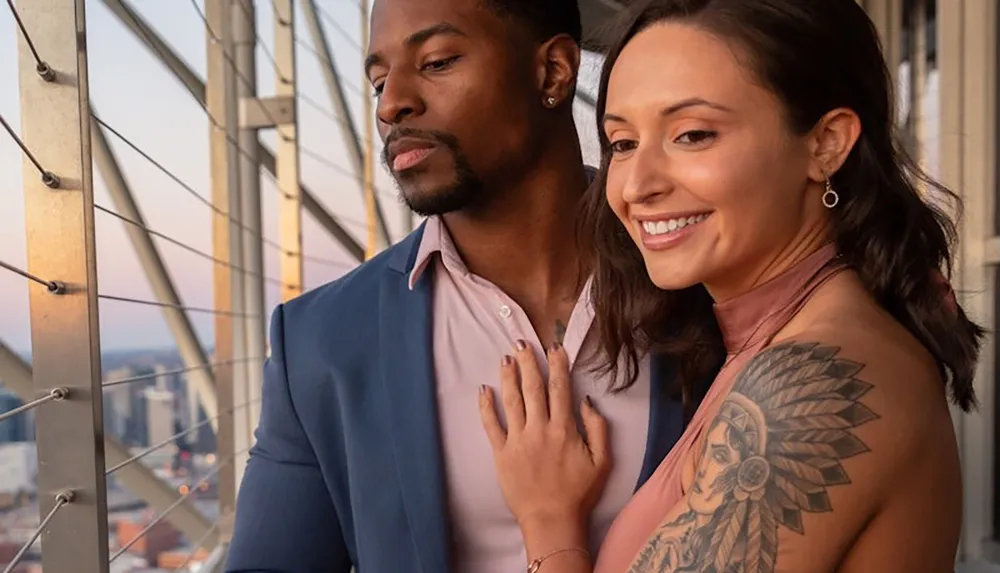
<point x="748" y="323"/>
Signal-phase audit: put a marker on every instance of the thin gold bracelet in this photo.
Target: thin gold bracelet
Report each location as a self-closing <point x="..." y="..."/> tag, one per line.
<point x="535" y="565"/>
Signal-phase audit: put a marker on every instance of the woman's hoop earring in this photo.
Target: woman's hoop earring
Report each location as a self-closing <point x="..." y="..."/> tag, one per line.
<point x="830" y="197"/>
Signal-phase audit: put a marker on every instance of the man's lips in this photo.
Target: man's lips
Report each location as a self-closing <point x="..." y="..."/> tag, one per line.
<point x="410" y="159"/>
<point x="408" y="152"/>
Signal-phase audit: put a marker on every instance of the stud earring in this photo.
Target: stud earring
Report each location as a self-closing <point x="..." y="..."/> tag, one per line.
<point x="830" y="197"/>
<point x="550" y="101"/>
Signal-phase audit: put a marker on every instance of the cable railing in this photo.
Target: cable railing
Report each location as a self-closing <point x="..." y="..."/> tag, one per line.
<point x="50" y="179"/>
<point x="172" y="507"/>
<point x="66" y="382"/>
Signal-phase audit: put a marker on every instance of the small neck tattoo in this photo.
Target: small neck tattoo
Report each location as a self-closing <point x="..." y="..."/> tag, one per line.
<point x="560" y="331"/>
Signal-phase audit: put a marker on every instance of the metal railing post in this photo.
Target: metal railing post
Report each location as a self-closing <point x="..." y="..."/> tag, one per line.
<point x="59" y="213"/>
<point x="245" y="376"/>
<point x="220" y="94"/>
<point x="288" y="153"/>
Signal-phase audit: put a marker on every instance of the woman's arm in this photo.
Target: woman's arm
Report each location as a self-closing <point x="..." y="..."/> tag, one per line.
<point x="550" y="476"/>
<point x="809" y="450"/>
<point x="802" y="457"/>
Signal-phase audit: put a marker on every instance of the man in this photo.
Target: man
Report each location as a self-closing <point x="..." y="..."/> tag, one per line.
<point x="370" y="451"/>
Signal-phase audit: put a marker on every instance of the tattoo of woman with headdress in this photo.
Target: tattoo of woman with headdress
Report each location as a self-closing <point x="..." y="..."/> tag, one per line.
<point x="771" y="452"/>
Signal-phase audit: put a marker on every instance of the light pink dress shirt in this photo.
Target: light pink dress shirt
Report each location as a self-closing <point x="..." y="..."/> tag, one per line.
<point x="475" y="324"/>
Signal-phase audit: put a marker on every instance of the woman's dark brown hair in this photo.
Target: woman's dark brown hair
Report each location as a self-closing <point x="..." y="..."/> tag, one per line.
<point x="816" y="56"/>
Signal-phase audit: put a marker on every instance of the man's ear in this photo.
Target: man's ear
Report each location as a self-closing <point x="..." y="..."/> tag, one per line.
<point x="558" y="67"/>
<point x="831" y="141"/>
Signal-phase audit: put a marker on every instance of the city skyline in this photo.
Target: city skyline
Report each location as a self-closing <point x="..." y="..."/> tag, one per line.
<point x="160" y="116"/>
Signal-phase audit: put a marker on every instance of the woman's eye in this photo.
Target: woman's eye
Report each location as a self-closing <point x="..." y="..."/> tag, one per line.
<point x="695" y="137"/>
<point x="622" y="146"/>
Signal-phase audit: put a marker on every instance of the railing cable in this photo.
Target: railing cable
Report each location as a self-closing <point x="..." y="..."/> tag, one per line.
<point x="188" y="431"/>
<point x="156" y="375"/>
<point x="175" y="306"/>
<point x="43" y="69"/>
<point x="53" y="395"/>
<point x="340" y="169"/>
<point x="53" y="286"/>
<point x="177" y="503"/>
<point x="187" y="187"/>
<point x="63" y="499"/>
<point x="48" y="178"/>
<point x="327" y="113"/>
<point x="187" y="247"/>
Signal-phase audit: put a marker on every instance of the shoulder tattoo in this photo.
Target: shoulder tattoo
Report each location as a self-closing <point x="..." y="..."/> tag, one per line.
<point x="772" y="452"/>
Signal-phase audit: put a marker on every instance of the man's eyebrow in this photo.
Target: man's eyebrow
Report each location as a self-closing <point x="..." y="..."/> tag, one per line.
<point x="417" y="38"/>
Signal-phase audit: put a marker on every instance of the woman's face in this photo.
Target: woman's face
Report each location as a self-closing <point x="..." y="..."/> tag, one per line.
<point x="705" y="173"/>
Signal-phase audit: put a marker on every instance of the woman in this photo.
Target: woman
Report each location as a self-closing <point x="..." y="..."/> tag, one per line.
<point x="749" y="155"/>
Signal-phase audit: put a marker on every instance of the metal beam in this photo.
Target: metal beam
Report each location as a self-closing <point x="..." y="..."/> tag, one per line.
<point x="216" y="560"/>
<point x="221" y="102"/>
<point x="887" y="16"/>
<point x="319" y="213"/>
<point x="65" y="330"/>
<point x="247" y="376"/>
<point x="967" y="60"/>
<point x="196" y="86"/>
<point x="135" y="477"/>
<point x="177" y="320"/>
<point x="289" y="174"/>
<point x="352" y="142"/>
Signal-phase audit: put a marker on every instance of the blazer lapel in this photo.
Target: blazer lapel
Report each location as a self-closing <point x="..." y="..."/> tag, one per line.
<point x="666" y="416"/>
<point x="408" y="375"/>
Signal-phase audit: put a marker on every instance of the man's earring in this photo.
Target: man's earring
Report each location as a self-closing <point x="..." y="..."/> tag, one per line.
<point x="550" y="101"/>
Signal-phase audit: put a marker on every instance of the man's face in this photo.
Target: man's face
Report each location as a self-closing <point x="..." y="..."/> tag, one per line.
<point x="455" y="100"/>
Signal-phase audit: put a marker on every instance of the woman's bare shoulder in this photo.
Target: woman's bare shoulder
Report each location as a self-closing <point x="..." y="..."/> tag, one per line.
<point x="857" y="371"/>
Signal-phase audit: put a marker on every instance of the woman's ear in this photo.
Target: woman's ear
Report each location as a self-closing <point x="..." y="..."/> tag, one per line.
<point x="831" y="141"/>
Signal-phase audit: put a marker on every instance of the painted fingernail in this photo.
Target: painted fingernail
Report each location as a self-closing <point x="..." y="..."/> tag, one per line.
<point x="482" y="389"/>
<point x="506" y="360"/>
<point x="521" y="345"/>
<point x="590" y="403"/>
<point x="554" y="346"/>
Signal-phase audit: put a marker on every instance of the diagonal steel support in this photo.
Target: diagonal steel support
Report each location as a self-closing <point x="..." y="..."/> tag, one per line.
<point x="137" y="478"/>
<point x="349" y="132"/>
<point x="196" y="86"/>
<point x="188" y="347"/>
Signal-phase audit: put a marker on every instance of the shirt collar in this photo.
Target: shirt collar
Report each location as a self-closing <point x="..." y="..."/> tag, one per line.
<point x="436" y="241"/>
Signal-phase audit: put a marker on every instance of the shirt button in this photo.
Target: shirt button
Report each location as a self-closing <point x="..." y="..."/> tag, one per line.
<point x="505" y="311"/>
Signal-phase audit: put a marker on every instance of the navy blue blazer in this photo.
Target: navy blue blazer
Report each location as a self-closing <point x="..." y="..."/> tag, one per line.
<point x="347" y="468"/>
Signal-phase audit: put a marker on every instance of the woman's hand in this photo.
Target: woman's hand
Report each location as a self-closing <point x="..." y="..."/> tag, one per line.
<point x="550" y="476"/>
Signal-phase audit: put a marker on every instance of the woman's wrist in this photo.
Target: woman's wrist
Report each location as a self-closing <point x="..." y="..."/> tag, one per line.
<point x="545" y="535"/>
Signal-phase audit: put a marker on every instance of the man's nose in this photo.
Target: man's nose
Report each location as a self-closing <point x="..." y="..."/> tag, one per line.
<point x="398" y="101"/>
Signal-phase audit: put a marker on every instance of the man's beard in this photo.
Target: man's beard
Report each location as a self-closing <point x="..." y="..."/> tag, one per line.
<point x="465" y="192"/>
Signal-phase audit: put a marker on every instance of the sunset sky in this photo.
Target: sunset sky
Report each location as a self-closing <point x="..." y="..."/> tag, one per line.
<point x="137" y="96"/>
